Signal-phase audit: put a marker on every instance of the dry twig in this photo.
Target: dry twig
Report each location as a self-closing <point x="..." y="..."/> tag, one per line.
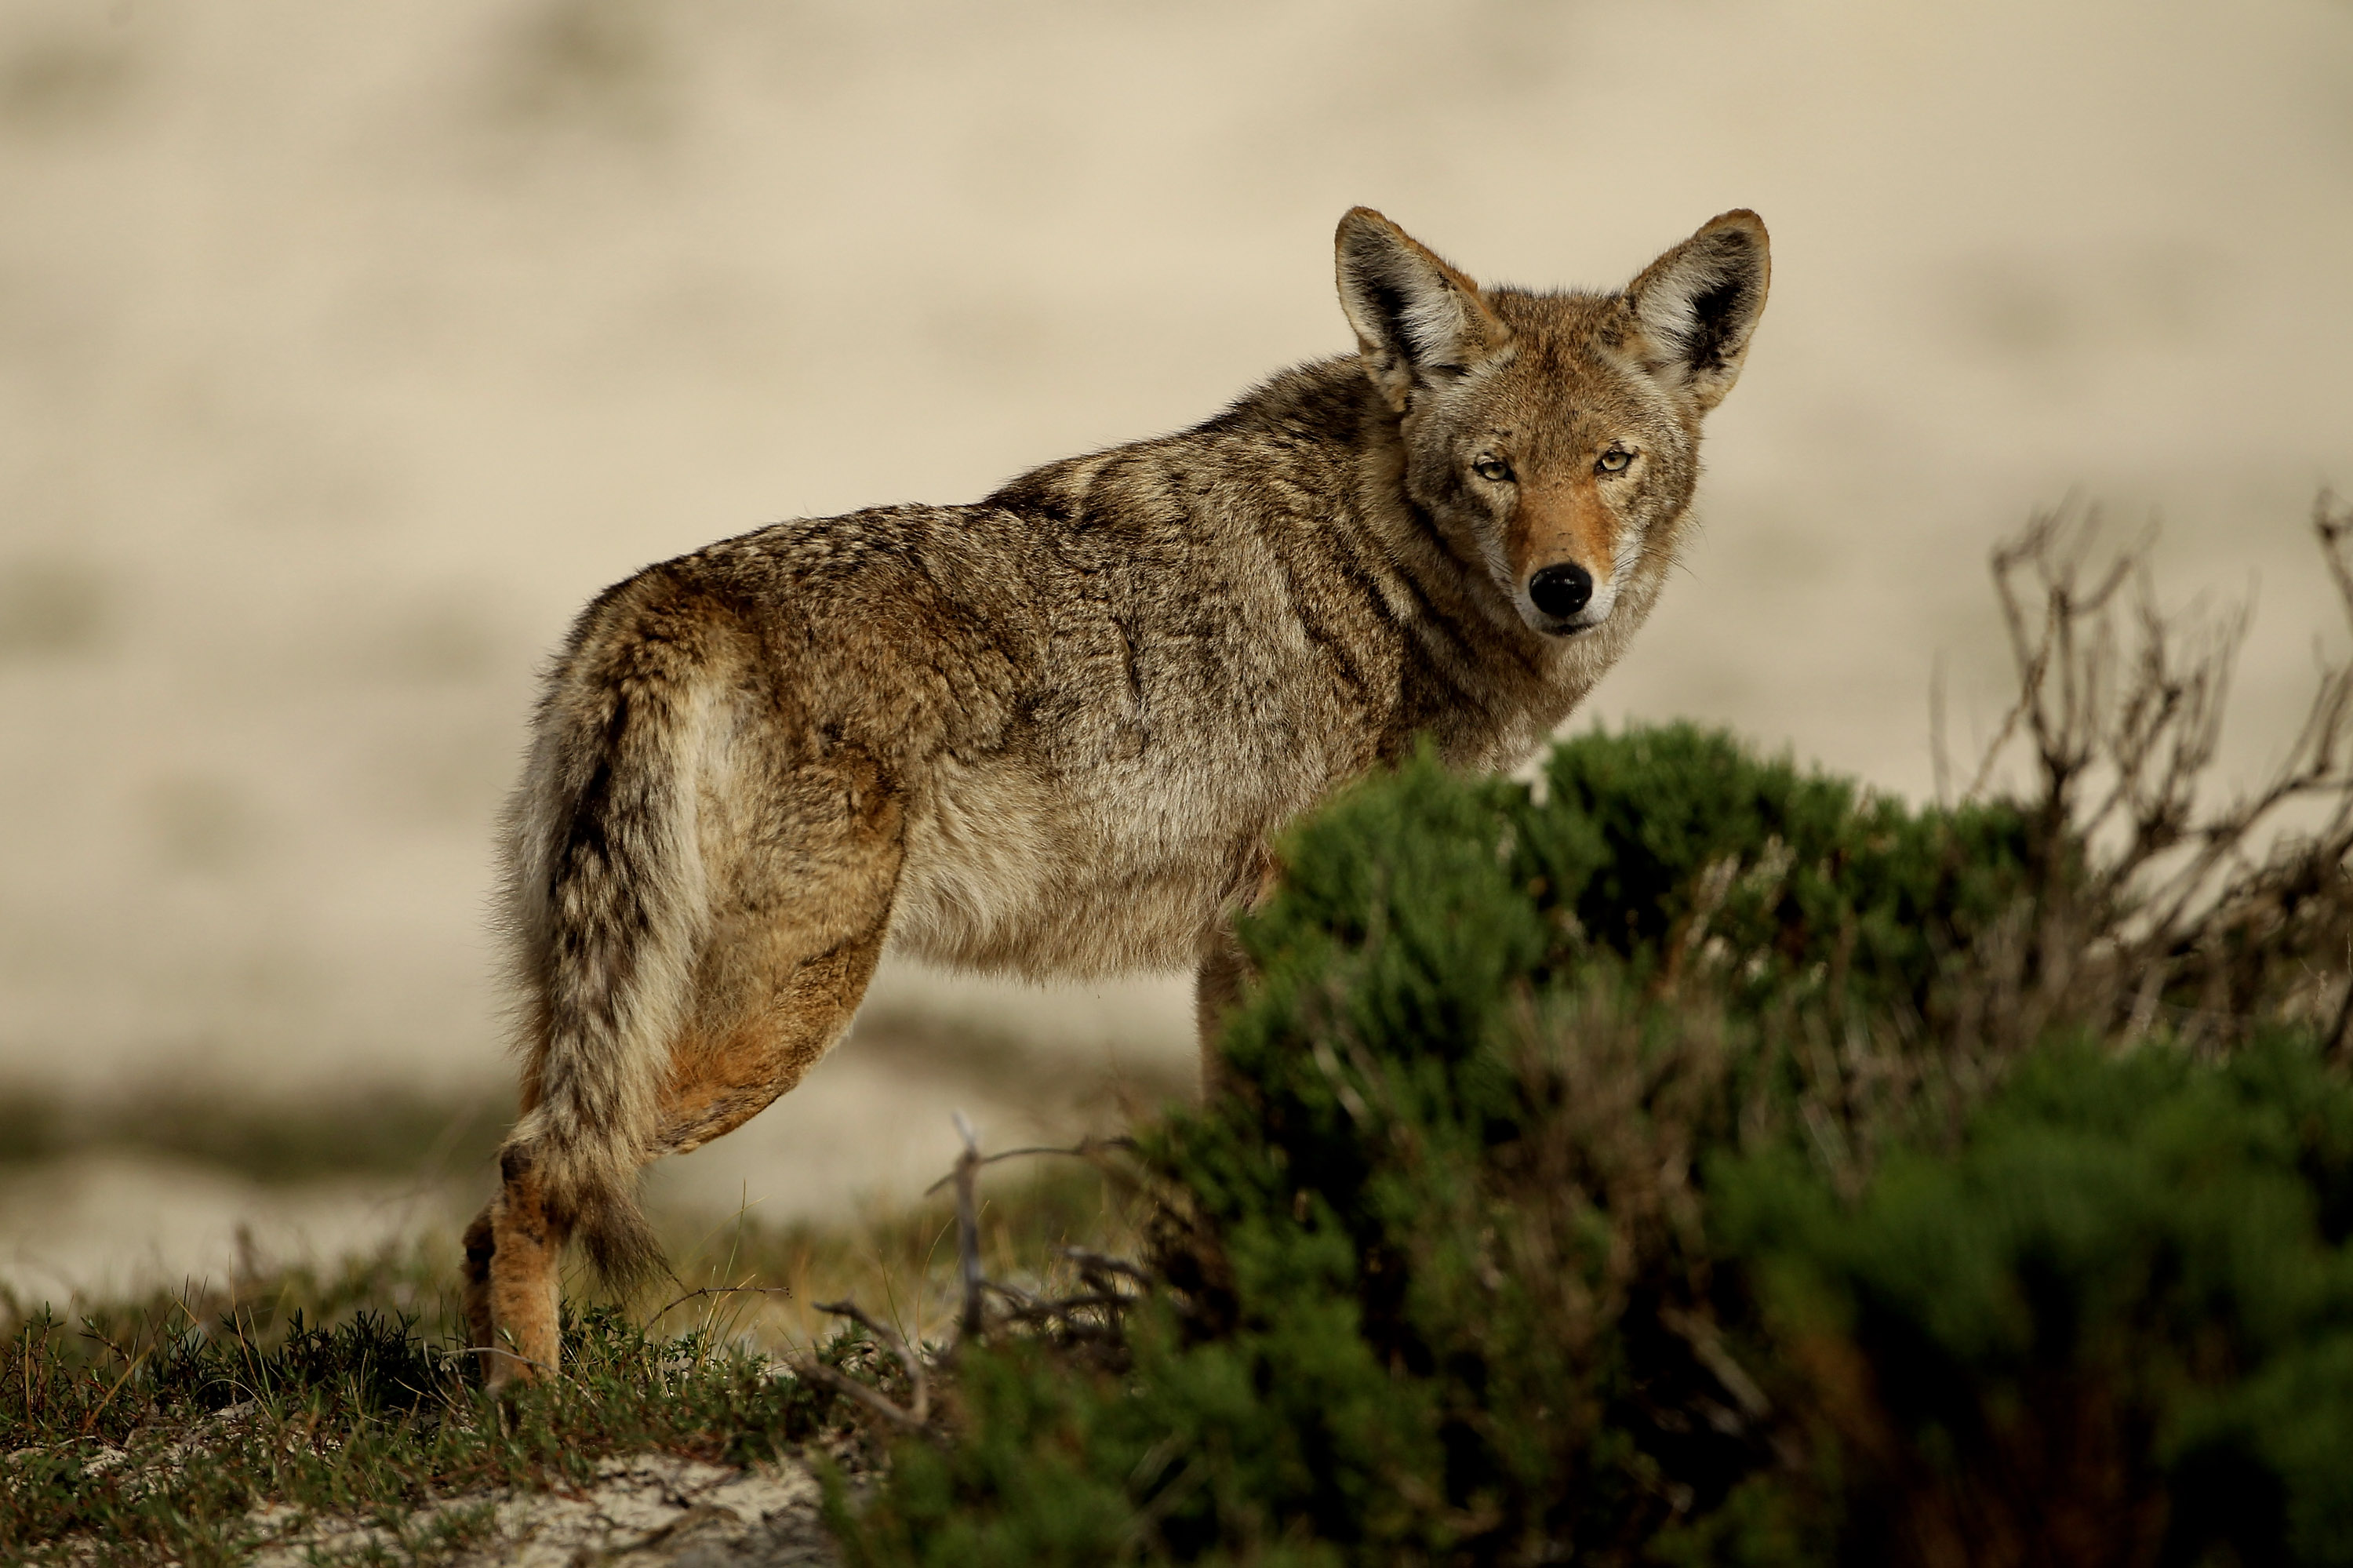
<point x="2152" y="903"/>
<point x="916" y="1413"/>
<point x="1066" y="1315"/>
<point x="967" y="1174"/>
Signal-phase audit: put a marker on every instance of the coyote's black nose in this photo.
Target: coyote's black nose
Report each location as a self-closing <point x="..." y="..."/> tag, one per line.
<point x="1560" y="591"/>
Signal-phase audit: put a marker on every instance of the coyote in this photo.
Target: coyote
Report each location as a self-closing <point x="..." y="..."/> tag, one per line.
<point x="1056" y="732"/>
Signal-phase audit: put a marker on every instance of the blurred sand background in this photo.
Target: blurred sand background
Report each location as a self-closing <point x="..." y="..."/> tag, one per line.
<point x="346" y="351"/>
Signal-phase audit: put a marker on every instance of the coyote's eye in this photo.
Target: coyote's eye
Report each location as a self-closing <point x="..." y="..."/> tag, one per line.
<point x="1614" y="461"/>
<point x="1493" y="470"/>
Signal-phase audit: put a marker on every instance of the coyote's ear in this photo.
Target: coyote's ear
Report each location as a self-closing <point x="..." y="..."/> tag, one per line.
<point x="1417" y="319"/>
<point x="1700" y="301"/>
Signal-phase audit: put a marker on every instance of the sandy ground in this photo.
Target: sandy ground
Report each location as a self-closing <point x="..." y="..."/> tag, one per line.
<point x="345" y="352"/>
<point x="647" y="1511"/>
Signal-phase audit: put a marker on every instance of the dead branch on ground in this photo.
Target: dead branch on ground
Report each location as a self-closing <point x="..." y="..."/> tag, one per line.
<point x="1093" y="1314"/>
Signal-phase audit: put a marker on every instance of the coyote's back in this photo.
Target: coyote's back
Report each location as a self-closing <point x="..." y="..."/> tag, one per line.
<point x="1057" y="731"/>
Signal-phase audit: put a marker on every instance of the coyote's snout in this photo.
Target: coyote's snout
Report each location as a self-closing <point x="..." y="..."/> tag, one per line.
<point x="1057" y="731"/>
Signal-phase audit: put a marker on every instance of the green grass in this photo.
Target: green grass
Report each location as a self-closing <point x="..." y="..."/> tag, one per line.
<point x="163" y="1444"/>
<point x="198" y="1428"/>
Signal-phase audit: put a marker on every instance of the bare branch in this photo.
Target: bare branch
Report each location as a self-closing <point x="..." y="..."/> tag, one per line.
<point x="2150" y="904"/>
<point x="1103" y="1263"/>
<point x="974" y="1319"/>
<point x="917" y="1410"/>
<point x="871" y="1399"/>
<point x="1085" y="1148"/>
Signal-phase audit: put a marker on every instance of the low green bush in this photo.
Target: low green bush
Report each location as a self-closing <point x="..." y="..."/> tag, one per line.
<point x="2115" y="1325"/>
<point x="1666" y="1164"/>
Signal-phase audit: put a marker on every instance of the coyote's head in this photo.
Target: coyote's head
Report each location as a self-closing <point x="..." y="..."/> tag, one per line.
<point x="1555" y="436"/>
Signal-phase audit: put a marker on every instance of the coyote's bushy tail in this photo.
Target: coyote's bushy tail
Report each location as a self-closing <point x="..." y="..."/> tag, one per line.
<point x="607" y="905"/>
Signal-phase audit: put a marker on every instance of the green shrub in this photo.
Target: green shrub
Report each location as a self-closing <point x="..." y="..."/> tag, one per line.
<point x="2117" y="1322"/>
<point x="1664" y="1168"/>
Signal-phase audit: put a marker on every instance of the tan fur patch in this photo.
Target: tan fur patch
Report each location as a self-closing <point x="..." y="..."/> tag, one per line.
<point x="1565" y="522"/>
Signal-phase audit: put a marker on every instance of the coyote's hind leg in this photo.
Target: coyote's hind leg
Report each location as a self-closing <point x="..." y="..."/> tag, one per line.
<point x="762" y="1026"/>
<point x="527" y="1241"/>
<point x="788" y="943"/>
<point x="793" y="941"/>
<point x="754" y="1036"/>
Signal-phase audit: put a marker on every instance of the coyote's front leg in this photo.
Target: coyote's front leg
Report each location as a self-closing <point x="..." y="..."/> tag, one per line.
<point x="1218" y="984"/>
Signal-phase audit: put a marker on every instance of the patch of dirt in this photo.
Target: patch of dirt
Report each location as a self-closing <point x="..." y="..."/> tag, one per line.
<point x="644" y="1510"/>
